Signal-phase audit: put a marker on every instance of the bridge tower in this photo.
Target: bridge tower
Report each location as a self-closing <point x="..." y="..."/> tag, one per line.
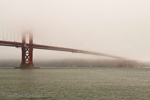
<point x="27" y="51"/>
<point x="125" y="63"/>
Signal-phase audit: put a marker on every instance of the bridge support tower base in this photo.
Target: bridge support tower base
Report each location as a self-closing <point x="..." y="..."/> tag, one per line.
<point x="125" y="63"/>
<point x="26" y="65"/>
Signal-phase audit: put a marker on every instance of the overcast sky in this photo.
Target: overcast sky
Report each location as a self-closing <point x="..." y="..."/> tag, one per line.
<point x="117" y="27"/>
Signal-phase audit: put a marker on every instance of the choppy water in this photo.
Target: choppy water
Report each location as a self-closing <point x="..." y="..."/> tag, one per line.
<point x="75" y="84"/>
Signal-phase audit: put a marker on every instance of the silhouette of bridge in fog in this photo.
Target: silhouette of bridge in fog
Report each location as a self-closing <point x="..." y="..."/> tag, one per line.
<point x="27" y="50"/>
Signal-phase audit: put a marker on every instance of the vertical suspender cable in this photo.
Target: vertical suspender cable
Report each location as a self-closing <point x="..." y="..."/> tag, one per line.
<point x="14" y="34"/>
<point x="17" y="36"/>
<point x="6" y="34"/>
<point x="2" y="33"/>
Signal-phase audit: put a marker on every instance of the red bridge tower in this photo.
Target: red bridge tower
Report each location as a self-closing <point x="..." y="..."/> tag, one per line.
<point x="27" y="51"/>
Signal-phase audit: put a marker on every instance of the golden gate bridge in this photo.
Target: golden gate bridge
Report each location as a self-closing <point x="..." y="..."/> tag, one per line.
<point x="27" y="49"/>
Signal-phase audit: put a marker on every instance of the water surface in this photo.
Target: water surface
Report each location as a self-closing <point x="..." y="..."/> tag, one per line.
<point x="75" y="84"/>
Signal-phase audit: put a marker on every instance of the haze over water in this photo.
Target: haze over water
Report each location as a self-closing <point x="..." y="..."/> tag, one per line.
<point x="116" y="27"/>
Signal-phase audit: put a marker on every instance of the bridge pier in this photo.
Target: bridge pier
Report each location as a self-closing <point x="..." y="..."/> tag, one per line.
<point x="125" y="63"/>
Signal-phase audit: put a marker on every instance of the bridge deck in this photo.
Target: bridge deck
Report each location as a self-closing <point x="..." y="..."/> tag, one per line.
<point x="37" y="46"/>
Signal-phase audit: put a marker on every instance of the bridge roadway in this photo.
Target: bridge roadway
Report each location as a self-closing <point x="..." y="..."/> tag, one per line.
<point x="37" y="46"/>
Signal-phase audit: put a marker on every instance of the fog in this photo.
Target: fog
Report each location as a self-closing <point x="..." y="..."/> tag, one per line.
<point x="116" y="27"/>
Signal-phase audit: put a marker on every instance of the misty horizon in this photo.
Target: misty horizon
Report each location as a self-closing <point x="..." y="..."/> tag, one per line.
<point x="76" y="63"/>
